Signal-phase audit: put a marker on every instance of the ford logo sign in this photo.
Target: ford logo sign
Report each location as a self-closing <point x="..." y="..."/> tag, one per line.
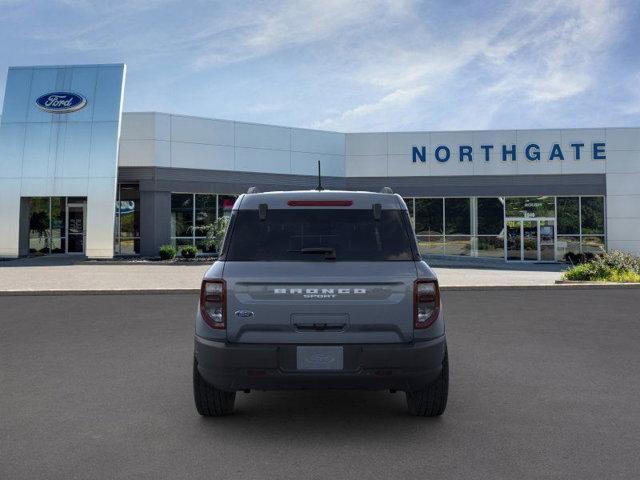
<point x="244" y="313"/>
<point x="61" y="102"/>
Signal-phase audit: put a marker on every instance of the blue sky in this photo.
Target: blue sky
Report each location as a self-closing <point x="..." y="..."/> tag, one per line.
<point x="371" y="65"/>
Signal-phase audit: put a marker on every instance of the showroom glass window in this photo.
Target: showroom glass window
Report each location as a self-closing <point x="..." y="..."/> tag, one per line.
<point x="443" y="225"/>
<point x="127" y="227"/>
<point x="568" y="240"/>
<point x="191" y="213"/>
<point x="592" y="220"/>
<point x="225" y="205"/>
<point x="48" y="224"/>
<point x="490" y="221"/>
<point x="410" y="208"/>
<point x="475" y="225"/>
<point x="40" y="225"/>
<point x="182" y="205"/>
<point x="457" y="220"/>
<point x="429" y="225"/>
<point x="530" y="207"/>
<point x="581" y="225"/>
<point x="59" y="223"/>
<point x="205" y="214"/>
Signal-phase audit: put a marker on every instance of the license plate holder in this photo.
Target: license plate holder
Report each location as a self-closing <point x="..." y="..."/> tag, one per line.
<point x="319" y="358"/>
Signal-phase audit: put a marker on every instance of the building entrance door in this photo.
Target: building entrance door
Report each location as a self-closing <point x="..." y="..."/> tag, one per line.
<point x="76" y="220"/>
<point x="531" y="240"/>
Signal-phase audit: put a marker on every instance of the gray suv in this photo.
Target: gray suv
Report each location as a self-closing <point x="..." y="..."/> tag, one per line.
<point x="320" y="290"/>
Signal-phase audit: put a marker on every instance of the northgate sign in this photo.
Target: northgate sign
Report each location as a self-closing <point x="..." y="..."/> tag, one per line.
<point x="532" y="152"/>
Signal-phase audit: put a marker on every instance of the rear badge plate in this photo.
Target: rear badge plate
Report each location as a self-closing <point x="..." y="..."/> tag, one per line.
<point x="319" y="358"/>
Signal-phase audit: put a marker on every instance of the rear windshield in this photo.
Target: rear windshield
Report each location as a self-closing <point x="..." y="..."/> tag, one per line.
<point x="319" y="235"/>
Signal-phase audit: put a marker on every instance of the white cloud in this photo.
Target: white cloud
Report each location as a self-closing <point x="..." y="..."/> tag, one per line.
<point x="538" y="54"/>
<point x="551" y="56"/>
<point x="631" y="104"/>
<point x="398" y="98"/>
<point x="283" y="25"/>
<point x="350" y="64"/>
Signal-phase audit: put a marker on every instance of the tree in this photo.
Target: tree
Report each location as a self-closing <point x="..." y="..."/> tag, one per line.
<point x="214" y="233"/>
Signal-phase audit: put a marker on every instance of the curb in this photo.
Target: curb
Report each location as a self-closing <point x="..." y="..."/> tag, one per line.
<point x="179" y="263"/>
<point x="140" y="291"/>
<point x="552" y="286"/>
<point x="559" y="285"/>
<point x="580" y="282"/>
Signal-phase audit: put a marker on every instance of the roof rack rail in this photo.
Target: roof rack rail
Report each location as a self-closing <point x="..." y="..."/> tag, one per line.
<point x="253" y="190"/>
<point x="386" y="190"/>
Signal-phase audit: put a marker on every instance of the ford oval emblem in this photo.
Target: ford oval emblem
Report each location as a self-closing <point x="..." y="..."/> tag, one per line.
<point x="61" y="102"/>
<point x="244" y="313"/>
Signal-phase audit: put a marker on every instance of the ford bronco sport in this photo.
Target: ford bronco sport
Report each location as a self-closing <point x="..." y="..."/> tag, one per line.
<point x="320" y="290"/>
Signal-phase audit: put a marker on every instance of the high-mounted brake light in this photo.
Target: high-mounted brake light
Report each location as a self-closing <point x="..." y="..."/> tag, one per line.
<point x="213" y="303"/>
<point x="320" y="203"/>
<point x="426" y="303"/>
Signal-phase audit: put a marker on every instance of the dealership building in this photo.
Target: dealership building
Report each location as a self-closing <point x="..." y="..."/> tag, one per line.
<point x="79" y="176"/>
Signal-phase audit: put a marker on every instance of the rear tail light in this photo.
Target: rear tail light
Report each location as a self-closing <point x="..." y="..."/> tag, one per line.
<point x="426" y="303"/>
<point x="213" y="300"/>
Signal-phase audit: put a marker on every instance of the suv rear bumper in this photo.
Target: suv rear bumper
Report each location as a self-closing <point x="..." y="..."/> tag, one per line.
<point x="233" y="367"/>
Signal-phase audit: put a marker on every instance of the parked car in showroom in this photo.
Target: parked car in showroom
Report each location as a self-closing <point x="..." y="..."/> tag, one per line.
<point x="320" y="290"/>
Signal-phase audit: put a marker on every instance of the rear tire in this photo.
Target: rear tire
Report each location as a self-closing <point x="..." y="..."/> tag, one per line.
<point x="210" y="401"/>
<point x="432" y="401"/>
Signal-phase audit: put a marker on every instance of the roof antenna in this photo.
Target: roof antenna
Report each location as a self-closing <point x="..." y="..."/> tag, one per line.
<point x="319" y="188"/>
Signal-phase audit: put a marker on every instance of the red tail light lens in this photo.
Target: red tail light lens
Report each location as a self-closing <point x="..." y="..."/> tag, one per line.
<point x="213" y="303"/>
<point x="320" y="203"/>
<point x="426" y="303"/>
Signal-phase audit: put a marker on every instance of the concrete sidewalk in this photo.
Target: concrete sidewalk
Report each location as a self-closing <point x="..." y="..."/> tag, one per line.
<point x="67" y="274"/>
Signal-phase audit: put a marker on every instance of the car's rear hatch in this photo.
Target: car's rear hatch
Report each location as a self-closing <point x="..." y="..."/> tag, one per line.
<point x="320" y="302"/>
<point x="320" y="267"/>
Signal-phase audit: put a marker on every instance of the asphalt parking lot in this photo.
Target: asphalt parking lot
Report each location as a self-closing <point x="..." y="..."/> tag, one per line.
<point x="544" y="384"/>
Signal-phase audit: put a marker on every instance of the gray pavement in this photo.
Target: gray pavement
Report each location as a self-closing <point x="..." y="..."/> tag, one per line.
<point x="68" y="275"/>
<point x="544" y="384"/>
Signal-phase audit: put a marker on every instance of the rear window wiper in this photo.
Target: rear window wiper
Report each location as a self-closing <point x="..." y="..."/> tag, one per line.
<point x="329" y="253"/>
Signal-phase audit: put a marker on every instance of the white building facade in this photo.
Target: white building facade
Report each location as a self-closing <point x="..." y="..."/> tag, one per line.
<point x="516" y="195"/>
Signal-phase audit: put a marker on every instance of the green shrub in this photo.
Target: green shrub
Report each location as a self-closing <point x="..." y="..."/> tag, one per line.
<point x="189" y="251"/>
<point x="579" y="272"/>
<point x="616" y="260"/>
<point x="624" y="277"/>
<point x="167" y="252"/>
<point x="607" y="267"/>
